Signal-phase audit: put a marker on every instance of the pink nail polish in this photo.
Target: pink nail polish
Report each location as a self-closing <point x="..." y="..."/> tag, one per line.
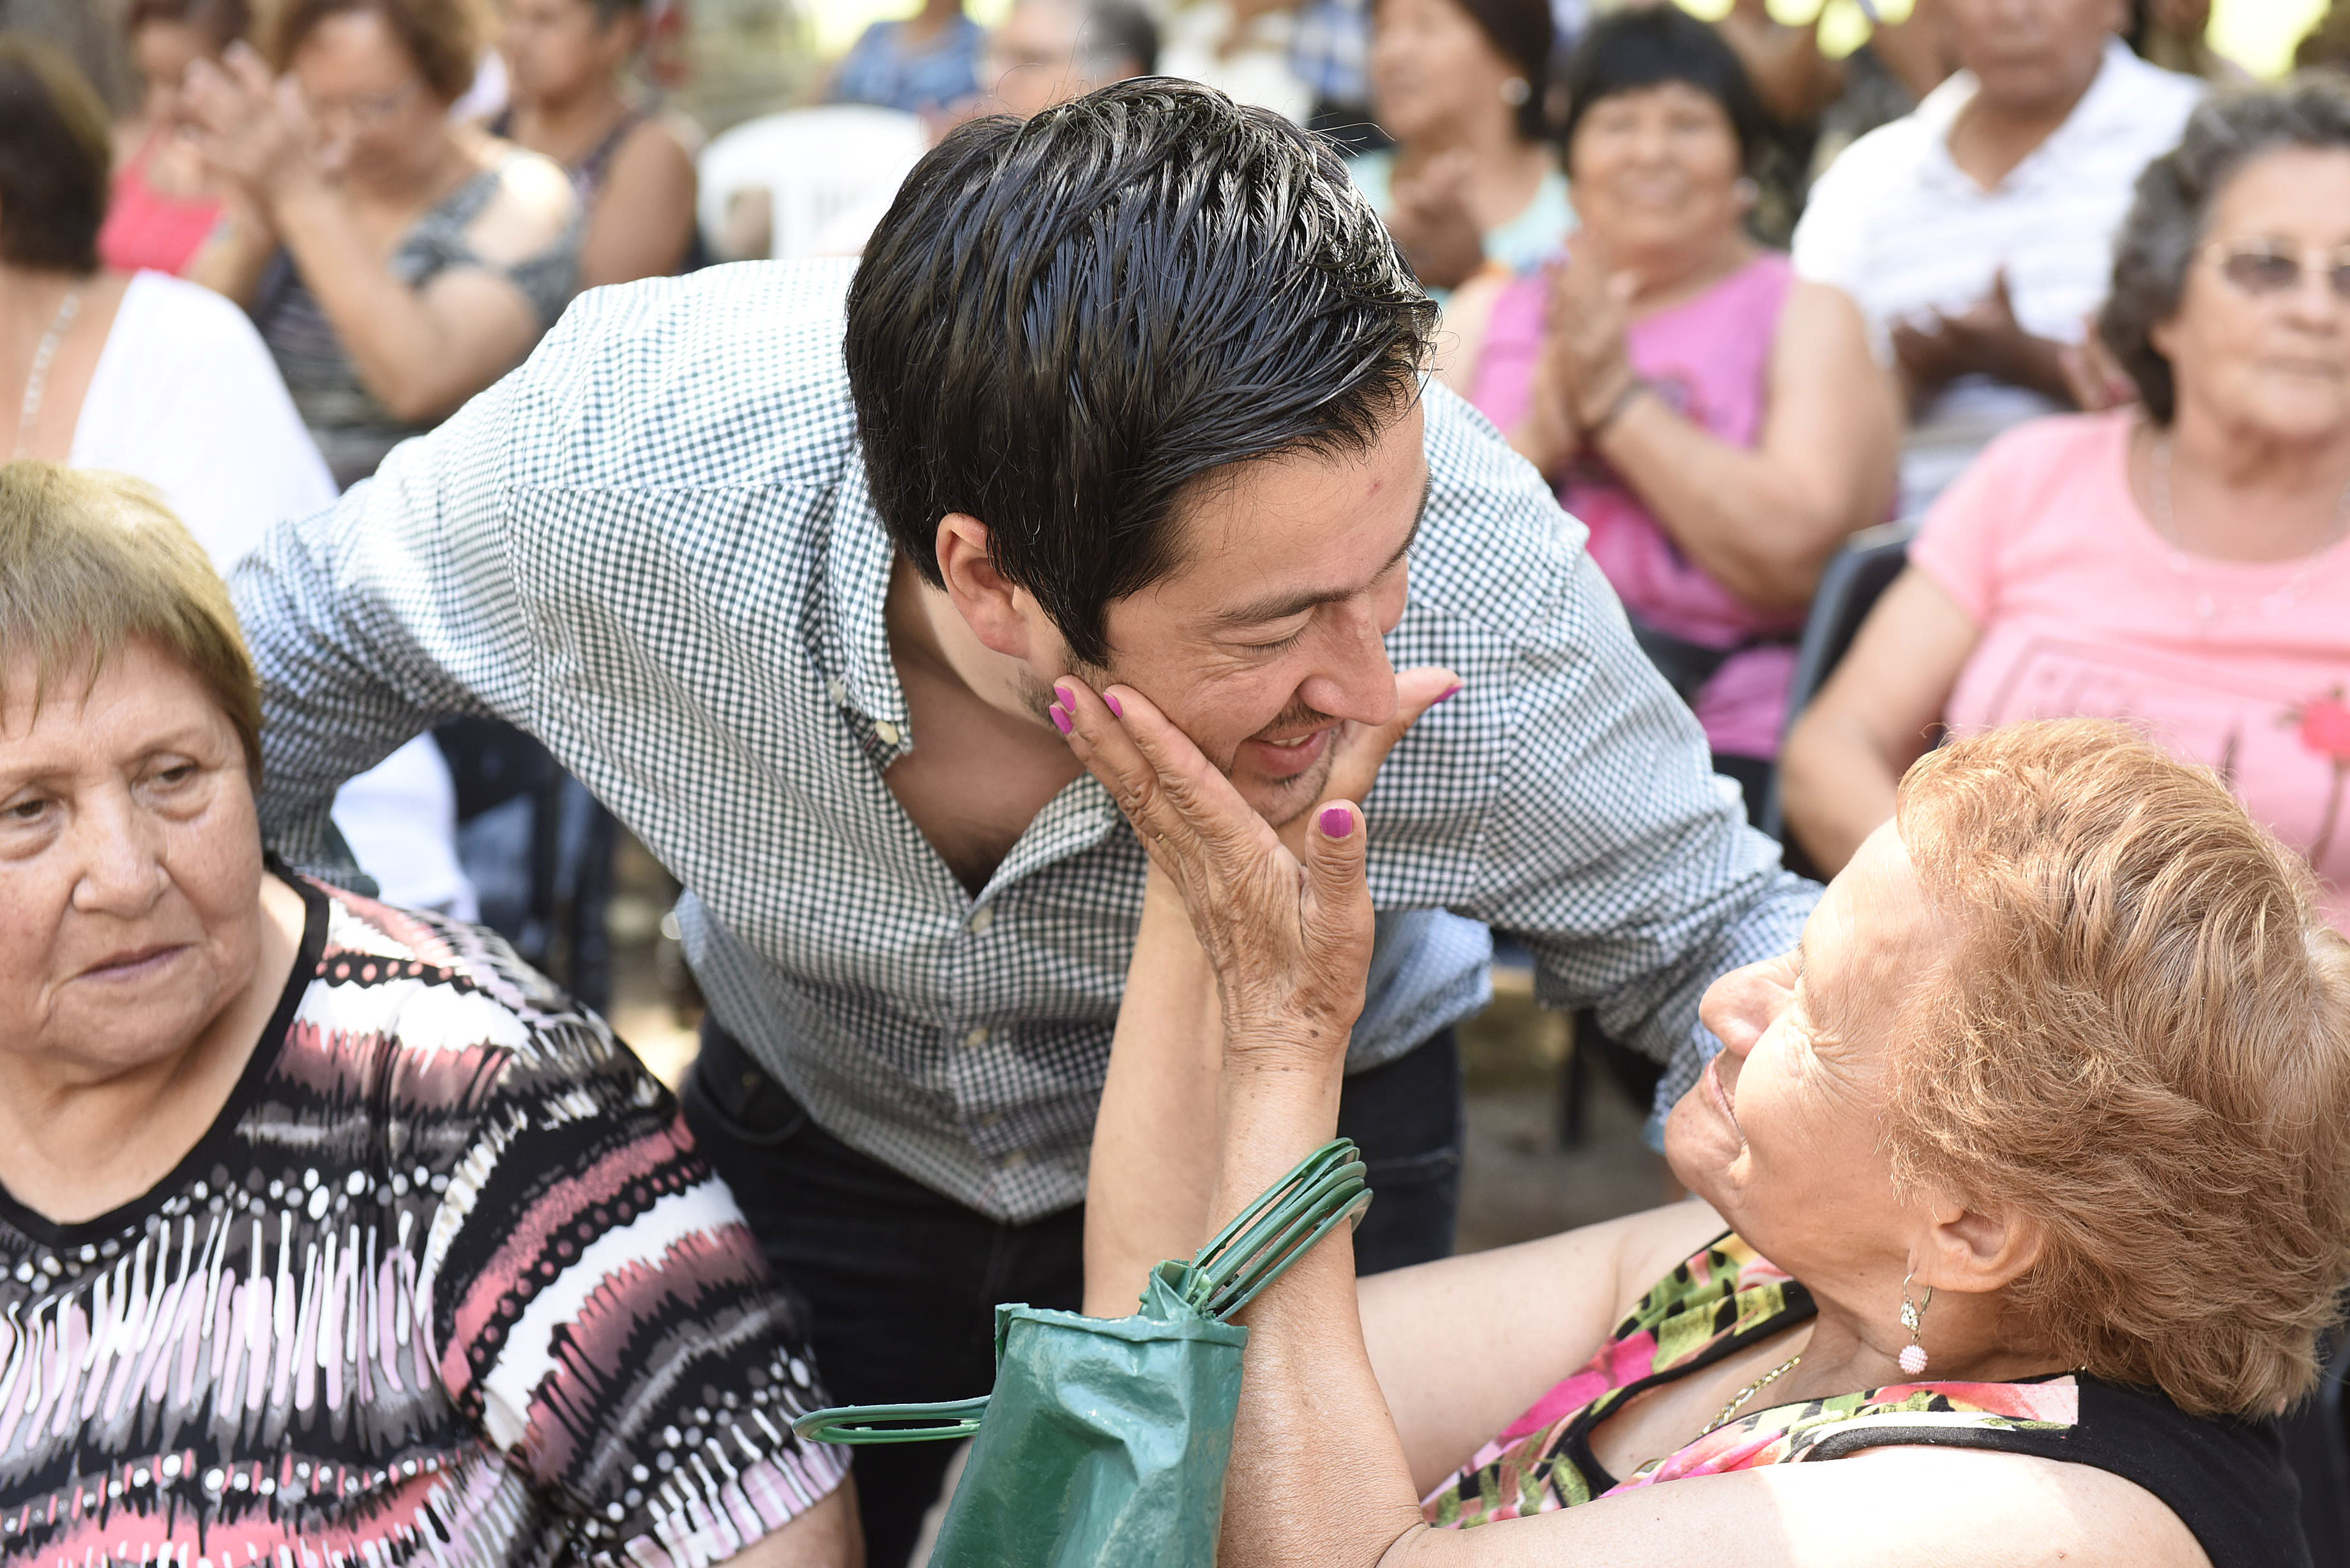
<point x="1068" y="698"/>
<point x="1449" y="695"/>
<point x="1060" y="718"/>
<point x="1337" y="822"/>
<point x="1112" y="703"/>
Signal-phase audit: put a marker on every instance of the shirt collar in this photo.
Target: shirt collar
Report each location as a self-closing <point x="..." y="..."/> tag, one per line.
<point x="858" y="559"/>
<point x="2108" y="102"/>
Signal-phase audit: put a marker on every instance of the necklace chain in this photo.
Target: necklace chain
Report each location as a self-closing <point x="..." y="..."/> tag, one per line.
<point x="36" y="380"/>
<point x="2206" y="608"/>
<point x="1751" y="1389"/>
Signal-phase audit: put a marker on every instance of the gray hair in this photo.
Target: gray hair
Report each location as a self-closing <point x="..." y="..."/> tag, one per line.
<point x="2172" y="212"/>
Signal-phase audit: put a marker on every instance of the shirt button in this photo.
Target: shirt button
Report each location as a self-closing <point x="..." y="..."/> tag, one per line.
<point x="975" y="1039"/>
<point x="981" y="919"/>
<point x="885" y="732"/>
<point x="1016" y="1159"/>
<point x="838" y="690"/>
<point x="992" y="1120"/>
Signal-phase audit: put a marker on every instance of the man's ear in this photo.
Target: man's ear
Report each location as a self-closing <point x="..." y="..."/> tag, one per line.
<point x="1972" y="1251"/>
<point x="997" y="610"/>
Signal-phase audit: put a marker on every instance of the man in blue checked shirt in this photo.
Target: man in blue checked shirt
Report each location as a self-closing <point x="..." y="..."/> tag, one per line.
<point x="782" y="559"/>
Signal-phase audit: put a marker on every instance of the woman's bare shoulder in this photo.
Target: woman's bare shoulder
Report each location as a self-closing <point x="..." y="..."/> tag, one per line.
<point x="529" y="211"/>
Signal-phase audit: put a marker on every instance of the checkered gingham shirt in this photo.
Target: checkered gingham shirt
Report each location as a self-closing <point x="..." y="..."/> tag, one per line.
<point x="653" y="547"/>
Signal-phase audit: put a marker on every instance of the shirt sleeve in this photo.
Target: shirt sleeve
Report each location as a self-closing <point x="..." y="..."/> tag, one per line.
<point x="372" y="620"/>
<point x="604" y="1316"/>
<point x="1831" y="242"/>
<point x="1958" y="544"/>
<point x="1613" y="851"/>
<point x="1514" y="340"/>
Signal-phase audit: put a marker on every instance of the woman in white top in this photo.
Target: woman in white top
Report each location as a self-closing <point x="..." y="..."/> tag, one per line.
<point x="169" y="382"/>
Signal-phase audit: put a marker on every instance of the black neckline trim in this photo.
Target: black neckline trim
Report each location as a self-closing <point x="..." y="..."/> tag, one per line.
<point x="1800" y="1309"/>
<point x="46" y="1233"/>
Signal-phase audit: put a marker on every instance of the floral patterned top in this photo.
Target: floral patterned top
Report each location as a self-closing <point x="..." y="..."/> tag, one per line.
<point x="2226" y="1481"/>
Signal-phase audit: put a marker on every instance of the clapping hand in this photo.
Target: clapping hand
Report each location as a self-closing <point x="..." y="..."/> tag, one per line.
<point x="1284" y="915"/>
<point x="1985" y="338"/>
<point x="1584" y="368"/>
<point x="254" y="131"/>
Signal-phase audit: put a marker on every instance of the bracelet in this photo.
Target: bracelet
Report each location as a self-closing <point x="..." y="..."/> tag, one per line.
<point x="1614" y="409"/>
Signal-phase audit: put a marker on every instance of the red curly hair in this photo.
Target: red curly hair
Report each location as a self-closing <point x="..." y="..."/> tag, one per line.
<point x="2141" y="1045"/>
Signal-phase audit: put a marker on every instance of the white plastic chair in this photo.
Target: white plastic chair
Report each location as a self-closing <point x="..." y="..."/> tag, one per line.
<point x="816" y="165"/>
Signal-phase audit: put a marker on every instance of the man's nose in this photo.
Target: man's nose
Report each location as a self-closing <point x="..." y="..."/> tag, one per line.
<point x="1356" y="681"/>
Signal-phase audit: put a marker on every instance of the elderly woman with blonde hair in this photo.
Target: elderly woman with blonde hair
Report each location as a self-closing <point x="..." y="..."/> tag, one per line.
<point x="328" y="1232"/>
<point x="2022" y="1192"/>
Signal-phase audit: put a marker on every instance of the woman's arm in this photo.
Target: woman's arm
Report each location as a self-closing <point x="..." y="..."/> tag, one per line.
<point x="1762" y="521"/>
<point x="1153" y="1169"/>
<point x="422" y="351"/>
<point x="1840" y="762"/>
<point x="1948" y="1508"/>
<point x="235" y="255"/>
<point x="1535" y="1312"/>
<point x="643" y="223"/>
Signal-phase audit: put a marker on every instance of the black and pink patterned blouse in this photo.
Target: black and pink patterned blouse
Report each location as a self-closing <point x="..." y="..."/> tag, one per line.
<point x="444" y="1282"/>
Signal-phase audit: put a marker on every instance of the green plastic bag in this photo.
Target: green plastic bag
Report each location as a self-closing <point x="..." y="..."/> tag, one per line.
<point x="1105" y="1442"/>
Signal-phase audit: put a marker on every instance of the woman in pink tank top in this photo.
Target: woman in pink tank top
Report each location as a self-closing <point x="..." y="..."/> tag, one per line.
<point x="1718" y="425"/>
<point x="161" y="210"/>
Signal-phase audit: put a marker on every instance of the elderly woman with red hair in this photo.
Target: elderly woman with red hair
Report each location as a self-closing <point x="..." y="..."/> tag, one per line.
<point x="2023" y="1192"/>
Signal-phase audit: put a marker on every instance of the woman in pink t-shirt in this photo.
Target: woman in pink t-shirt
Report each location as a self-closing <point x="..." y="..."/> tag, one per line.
<point x="1716" y="423"/>
<point x="2183" y="565"/>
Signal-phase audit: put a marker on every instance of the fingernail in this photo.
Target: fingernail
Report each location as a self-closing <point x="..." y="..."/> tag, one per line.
<point x="1454" y="692"/>
<point x="1337" y="822"/>
<point x="1068" y="698"/>
<point x="1060" y="718"/>
<point x="1112" y="704"/>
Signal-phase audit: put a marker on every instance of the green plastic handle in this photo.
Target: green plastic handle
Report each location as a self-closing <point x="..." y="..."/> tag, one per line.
<point x="865" y="1423"/>
<point x="1282" y="1226"/>
<point x="1323" y="1190"/>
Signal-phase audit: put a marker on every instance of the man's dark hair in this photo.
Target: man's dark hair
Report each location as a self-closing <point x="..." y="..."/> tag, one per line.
<point x="55" y="158"/>
<point x="1064" y="322"/>
<point x="1631" y="51"/>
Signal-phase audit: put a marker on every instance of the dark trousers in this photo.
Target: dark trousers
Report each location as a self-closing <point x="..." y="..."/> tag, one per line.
<point x="902" y="1282"/>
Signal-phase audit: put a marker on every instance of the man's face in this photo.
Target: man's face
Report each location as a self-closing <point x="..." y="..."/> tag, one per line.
<point x="1031" y="63"/>
<point x="2031" y="55"/>
<point x="1269" y="634"/>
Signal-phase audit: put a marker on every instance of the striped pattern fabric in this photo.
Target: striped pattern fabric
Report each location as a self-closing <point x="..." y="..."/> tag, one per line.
<point x="444" y="1282"/>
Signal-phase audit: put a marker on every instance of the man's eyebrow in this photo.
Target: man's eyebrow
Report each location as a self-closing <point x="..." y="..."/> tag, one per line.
<point x="1288" y="605"/>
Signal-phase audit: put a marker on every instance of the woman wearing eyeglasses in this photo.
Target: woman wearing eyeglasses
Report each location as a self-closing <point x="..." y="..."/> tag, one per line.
<point x="2182" y="562"/>
<point x="396" y="263"/>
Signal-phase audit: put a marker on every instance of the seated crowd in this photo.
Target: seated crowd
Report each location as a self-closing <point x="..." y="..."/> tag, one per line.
<point x="1306" y="560"/>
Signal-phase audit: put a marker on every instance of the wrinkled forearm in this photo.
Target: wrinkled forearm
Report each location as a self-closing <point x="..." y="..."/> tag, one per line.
<point x="1155" y="1152"/>
<point x="1328" y="1483"/>
<point x="1758" y="530"/>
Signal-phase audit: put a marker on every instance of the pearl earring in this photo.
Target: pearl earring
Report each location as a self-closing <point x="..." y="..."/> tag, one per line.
<point x="1913" y="1354"/>
<point x="1516" y="90"/>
